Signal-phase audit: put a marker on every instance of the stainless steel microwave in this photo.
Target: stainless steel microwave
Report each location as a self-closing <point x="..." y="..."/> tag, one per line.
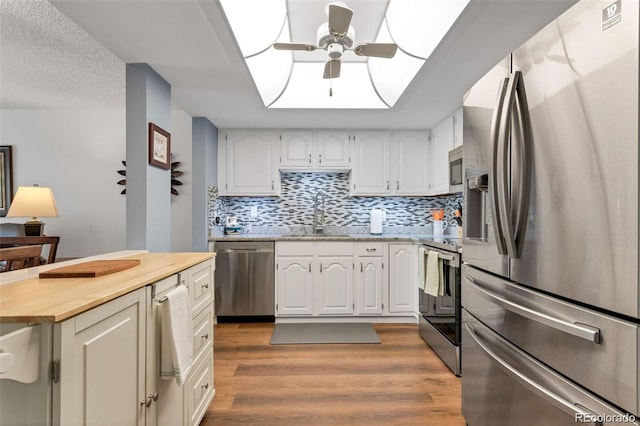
<point x="456" y="170"/>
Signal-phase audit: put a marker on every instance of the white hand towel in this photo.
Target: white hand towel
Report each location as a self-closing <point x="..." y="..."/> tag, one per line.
<point x="440" y="277"/>
<point x="432" y="280"/>
<point x="422" y="265"/>
<point x="176" y="355"/>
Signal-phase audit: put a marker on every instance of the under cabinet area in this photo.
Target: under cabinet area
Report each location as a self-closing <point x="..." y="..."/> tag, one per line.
<point x="101" y="365"/>
<point x="344" y="279"/>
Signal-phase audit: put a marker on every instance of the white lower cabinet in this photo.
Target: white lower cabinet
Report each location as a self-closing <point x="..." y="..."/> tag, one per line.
<point x="403" y="277"/>
<point x="314" y="278"/>
<point x="333" y="282"/>
<point x="102" y="364"/>
<point x="294" y="285"/>
<point x="107" y="360"/>
<point x="370" y="278"/>
<point x="345" y="279"/>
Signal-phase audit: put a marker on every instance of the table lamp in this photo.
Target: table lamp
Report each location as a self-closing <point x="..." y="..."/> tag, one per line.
<point x="34" y="202"/>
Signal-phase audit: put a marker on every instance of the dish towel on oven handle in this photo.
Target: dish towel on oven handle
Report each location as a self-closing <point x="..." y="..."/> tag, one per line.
<point x="176" y="353"/>
<point x="434" y="279"/>
<point x="422" y="266"/>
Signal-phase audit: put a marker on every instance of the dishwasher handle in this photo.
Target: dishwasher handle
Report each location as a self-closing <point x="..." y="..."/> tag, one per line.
<point x="244" y="250"/>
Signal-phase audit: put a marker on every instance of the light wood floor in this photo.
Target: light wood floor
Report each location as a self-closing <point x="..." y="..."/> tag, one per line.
<point x="398" y="382"/>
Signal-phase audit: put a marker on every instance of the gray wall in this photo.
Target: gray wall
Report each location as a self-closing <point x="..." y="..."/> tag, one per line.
<point x="77" y="153"/>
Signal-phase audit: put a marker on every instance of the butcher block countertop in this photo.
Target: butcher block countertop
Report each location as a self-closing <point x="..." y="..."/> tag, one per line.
<point x="40" y="300"/>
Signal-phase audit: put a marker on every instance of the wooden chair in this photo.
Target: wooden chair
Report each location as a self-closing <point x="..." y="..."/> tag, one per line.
<point x="29" y="241"/>
<point x="19" y="257"/>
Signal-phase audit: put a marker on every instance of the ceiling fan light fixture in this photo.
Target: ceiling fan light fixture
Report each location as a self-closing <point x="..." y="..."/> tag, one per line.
<point x="335" y="50"/>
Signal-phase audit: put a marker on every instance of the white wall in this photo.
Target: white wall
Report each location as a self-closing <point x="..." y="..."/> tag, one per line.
<point x="77" y="153"/>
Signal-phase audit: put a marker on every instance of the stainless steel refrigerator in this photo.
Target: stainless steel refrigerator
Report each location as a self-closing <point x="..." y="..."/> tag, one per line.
<point x="550" y="286"/>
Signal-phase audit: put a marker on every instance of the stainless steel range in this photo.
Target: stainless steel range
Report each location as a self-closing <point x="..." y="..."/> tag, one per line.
<point x="439" y="320"/>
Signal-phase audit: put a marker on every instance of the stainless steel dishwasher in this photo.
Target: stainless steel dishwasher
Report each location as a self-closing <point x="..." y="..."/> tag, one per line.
<point x="245" y="281"/>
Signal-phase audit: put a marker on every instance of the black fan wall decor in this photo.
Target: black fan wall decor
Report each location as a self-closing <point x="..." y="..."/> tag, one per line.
<point x="174" y="175"/>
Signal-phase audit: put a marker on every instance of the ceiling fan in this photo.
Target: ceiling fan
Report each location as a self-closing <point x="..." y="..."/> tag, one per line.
<point x="336" y="36"/>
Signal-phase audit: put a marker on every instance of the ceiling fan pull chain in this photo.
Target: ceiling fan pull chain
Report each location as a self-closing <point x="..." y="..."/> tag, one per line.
<point x="330" y="88"/>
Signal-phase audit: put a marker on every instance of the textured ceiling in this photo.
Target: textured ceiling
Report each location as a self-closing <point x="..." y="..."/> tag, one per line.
<point x="47" y="61"/>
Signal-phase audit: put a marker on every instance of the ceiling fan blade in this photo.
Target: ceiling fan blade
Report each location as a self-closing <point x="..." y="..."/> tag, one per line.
<point x="378" y="50"/>
<point x="332" y="68"/>
<point x="294" y="46"/>
<point x="339" y="19"/>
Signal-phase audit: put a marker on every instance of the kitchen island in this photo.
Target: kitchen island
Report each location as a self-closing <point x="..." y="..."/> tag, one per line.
<point x="87" y="350"/>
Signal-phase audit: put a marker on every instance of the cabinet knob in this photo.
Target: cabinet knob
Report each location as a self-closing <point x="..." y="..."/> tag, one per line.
<point x="205" y="285"/>
<point x="371" y="250"/>
<point x="319" y="158"/>
<point x="309" y="158"/>
<point x="205" y="386"/>
<point x="205" y="336"/>
<point x="272" y="185"/>
<point x="387" y="184"/>
<point x="147" y="402"/>
<point x="155" y="396"/>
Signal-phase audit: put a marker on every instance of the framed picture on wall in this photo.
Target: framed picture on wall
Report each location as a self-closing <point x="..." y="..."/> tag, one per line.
<point x="6" y="179"/>
<point x="159" y="147"/>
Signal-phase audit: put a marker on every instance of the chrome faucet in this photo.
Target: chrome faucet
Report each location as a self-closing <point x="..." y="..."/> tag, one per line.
<point x="318" y="227"/>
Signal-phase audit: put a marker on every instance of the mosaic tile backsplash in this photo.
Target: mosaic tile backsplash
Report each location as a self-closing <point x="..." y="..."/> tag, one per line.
<point x="295" y="205"/>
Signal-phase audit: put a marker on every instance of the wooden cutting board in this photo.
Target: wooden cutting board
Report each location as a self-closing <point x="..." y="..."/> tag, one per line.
<point x="94" y="268"/>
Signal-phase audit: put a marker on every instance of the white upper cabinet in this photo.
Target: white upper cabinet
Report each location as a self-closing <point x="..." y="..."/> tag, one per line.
<point x="250" y="159"/>
<point x="457" y="128"/>
<point x="296" y="149"/>
<point x="333" y="149"/>
<point x="314" y="150"/>
<point x="439" y="146"/>
<point x="370" y="153"/>
<point x="409" y="159"/>
<point x="390" y="163"/>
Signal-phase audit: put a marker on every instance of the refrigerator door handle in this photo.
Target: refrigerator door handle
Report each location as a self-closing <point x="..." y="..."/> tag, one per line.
<point x="583" y="331"/>
<point x="496" y="170"/>
<point x="504" y="201"/>
<point x="525" y="139"/>
<point x="573" y="409"/>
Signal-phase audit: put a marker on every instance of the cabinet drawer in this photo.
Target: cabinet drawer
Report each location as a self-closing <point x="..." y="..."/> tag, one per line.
<point x="200" y="281"/>
<point x="334" y="249"/>
<point x="200" y="389"/>
<point x="369" y="249"/>
<point x="202" y="332"/>
<point x="294" y="248"/>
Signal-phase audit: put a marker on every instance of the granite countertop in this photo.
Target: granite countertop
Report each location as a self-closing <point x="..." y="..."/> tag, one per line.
<point x="344" y="233"/>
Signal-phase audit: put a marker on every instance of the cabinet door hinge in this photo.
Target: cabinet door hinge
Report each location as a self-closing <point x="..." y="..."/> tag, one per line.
<point x="276" y="266"/>
<point x="276" y="306"/>
<point x="55" y="370"/>
<point x="383" y="266"/>
<point x="226" y="136"/>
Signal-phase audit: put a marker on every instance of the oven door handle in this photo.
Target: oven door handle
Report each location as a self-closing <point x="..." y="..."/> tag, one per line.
<point x="448" y="257"/>
<point x="583" y="331"/>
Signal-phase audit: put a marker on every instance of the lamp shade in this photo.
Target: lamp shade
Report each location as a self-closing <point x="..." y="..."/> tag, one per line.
<point x="33" y="201"/>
